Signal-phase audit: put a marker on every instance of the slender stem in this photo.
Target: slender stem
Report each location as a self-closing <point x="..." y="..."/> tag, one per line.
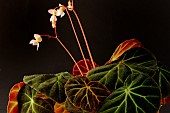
<point x="91" y="58"/>
<point x="77" y="39"/>
<point x="73" y="4"/>
<point x="55" y="31"/>
<point x="66" y="51"/>
<point x="56" y="7"/>
<point x="70" y="55"/>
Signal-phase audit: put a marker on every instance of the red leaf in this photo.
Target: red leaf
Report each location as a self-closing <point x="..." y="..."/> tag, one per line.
<point x="60" y="108"/>
<point x="123" y="47"/>
<point x="82" y="65"/>
<point x="165" y="100"/>
<point x="13" y="103"/>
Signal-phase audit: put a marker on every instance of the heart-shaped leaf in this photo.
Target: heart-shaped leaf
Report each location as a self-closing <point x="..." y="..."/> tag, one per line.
<point x="85" y="66"/>
<point x="85" y="94"/>
<point x="123" y="47"/>
<point x="163" y="79"/>
<point x="136" y="60"/>
<point x="13" y="102"/>
<point x="52" y="85"/>
<point x="73" y="109"/>
<point x="140" y="94"/>
<point x="29" y="103"/>
<point x="60" y="108"/>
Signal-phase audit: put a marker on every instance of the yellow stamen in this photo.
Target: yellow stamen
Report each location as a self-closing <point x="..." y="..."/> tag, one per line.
<point x="62" y="8"/>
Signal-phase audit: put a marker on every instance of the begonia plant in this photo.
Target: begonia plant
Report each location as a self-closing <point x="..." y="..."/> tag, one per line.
<point x="131" y="81"/>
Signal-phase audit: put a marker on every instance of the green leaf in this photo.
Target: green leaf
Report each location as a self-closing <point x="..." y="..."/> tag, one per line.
<point x="140" y="94"/>
<point x="85" y="94"/>
<point x="136" y="60"/>
<point x="123" y="47"/>
<point x="73" y="109"/>
<point x="52" y="85"/>
<point x="163" y="79"/>
<point x="29" y="103"/>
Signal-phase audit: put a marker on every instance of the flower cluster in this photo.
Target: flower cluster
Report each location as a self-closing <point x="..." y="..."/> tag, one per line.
<point x="53" y="19"/>
<point x="58" y="12"/>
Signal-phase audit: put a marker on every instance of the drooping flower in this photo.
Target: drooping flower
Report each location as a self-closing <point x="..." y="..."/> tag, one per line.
<point x="70" y="6"/>
<point x="53" y="18"/>
<point x="35" y="42"/>
<point x="60" y="11"/>
<point x="53" y="12"/>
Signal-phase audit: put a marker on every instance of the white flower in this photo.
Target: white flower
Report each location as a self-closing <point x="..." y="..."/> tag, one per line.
<point x="60" y="11"/>
<point x="52" y="11"/>
<point x="53" y="18"/>
<point x="70" y="6"/>
<point x="35" y="42"/>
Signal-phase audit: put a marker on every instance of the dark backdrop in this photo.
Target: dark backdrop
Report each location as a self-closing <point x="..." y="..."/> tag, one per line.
<point x="107" y="23"/>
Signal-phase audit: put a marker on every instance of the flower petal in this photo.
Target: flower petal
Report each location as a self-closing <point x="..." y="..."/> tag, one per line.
<point x="59" y="12"/>
<point x="60" y="5"/>
<point x="53" y="18"/>
<point x="36" y="35"/>
<point x="33" y="42"/>
<point x="62" y="14"/>
<point x="50" y="11"/>
<point x="37" y="46"/>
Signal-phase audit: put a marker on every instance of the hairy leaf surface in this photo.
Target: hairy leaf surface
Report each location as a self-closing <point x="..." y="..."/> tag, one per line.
<point x="29" y="103"/>
<point x="85" y="94"/>
<point x="74" y="109"/>
<point x="163" y="79"/>
<point x="136" y="60"/>
<point x="52" y="85"/>
<point x="140" y="94"/>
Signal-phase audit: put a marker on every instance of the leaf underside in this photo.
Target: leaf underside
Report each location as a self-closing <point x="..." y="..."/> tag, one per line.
<point x="123" y="47"/>
<point x="13" y="102"/>
<point x="84" y="66"/>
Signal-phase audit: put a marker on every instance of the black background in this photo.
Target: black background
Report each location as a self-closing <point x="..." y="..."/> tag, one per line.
<point x="107" y="23"/>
